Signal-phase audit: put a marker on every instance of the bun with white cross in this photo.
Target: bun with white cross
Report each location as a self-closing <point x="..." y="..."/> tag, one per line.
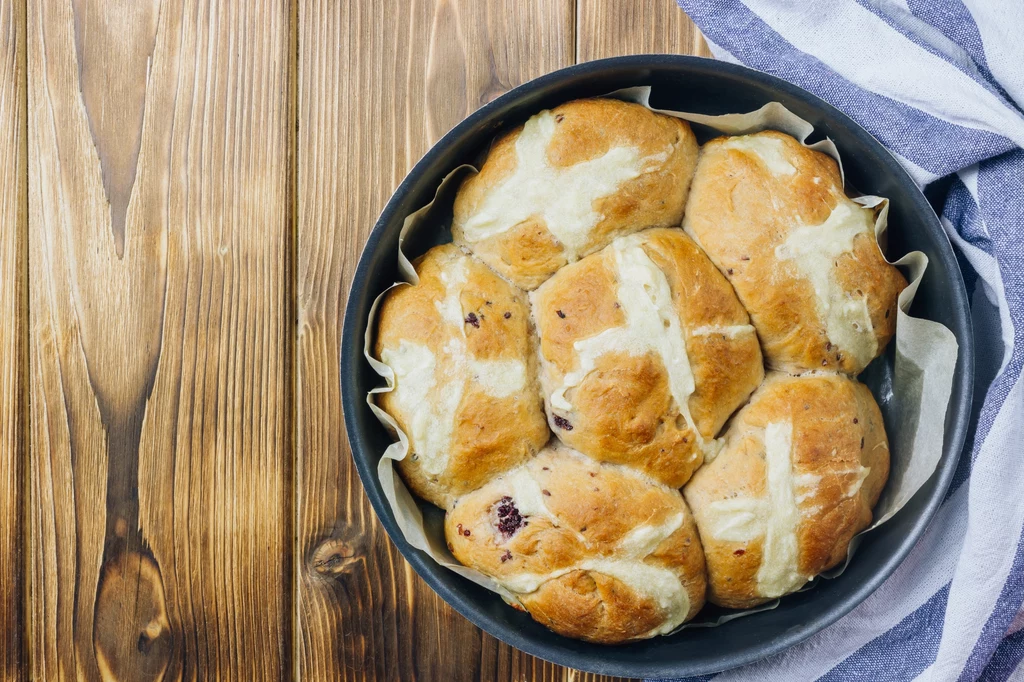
<point x="570" y="181"/>
<point x="461" y="348"/>
<point x="585" y="365"/>
<point x="802" y="256"/>
<point x="645" y="352"/>
<point x="593" y="551"/>
<point x="802" y="466"/>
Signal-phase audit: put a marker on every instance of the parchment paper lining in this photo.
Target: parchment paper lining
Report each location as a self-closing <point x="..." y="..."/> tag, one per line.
<point x="925" y="357"/>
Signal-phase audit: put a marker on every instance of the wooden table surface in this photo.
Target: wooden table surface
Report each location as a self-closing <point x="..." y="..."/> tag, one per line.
<point x="185" y="187"/>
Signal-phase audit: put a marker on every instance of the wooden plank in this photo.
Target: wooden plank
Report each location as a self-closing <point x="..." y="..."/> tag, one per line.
<point x="610" y="28"/>
<point x="13" y="327"/>
<point x="377" y="86"/>
<point x="161" y="339"/>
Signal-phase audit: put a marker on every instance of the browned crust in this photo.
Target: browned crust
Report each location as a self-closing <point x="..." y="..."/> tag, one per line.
<point x="586" y="497"/>
<point x="623" y="410"/>
<point x="528" y="253"/>
<point x="836" y="427"/>
<point x="491" y="435"/>
<point x="740" y="212"/>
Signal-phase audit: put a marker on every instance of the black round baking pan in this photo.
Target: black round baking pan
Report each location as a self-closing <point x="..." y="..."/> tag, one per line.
<point x="712" y="87"/>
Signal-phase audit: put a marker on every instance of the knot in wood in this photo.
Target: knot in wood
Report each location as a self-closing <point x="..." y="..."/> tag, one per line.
<point x="131" y="632"/>
<point x="335" y="556"/>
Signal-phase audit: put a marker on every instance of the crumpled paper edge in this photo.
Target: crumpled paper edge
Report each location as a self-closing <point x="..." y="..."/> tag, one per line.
<point x="926" y="353"/>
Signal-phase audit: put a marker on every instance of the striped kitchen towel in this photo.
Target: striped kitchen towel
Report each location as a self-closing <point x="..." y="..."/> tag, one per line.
<point x="941" y="84"/>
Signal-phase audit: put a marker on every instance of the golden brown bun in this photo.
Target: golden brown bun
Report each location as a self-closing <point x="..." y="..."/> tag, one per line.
<point x="638" y="171"/>
<point x="741" y="212"/>
<point x="625" y="410"/>
<point x="825" y="486"/>
<point x="483" y="385"/>
<point x="592" y="551"/>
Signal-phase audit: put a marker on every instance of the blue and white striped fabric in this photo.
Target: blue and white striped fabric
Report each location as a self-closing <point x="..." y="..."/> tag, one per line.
<point x="941" y="84"/>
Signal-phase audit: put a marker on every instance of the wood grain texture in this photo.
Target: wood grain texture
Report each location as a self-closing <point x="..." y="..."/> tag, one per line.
<point x="610" y="28"/>
<point x="378" y="84"/>
<point x="160" y="339"/>
<point x="179" y="250"/>
<point x="13" y="328"/>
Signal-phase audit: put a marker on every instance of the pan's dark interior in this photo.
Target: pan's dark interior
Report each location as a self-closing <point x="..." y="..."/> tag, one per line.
<point x="699" y="85"/>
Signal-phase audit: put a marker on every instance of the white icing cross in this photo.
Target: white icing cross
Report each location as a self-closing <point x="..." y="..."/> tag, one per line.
<point x="652" y="324"/>
<point x="775" y="518"/>
<point x="730" y="331"/>
<point x="814" y="249"/>
<point x="429" y="399"/>
<point x="768" y="149"/>
<point x="778" y="573"/>
<point x="563" y="197"/>
<point x="628" y="566"/>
